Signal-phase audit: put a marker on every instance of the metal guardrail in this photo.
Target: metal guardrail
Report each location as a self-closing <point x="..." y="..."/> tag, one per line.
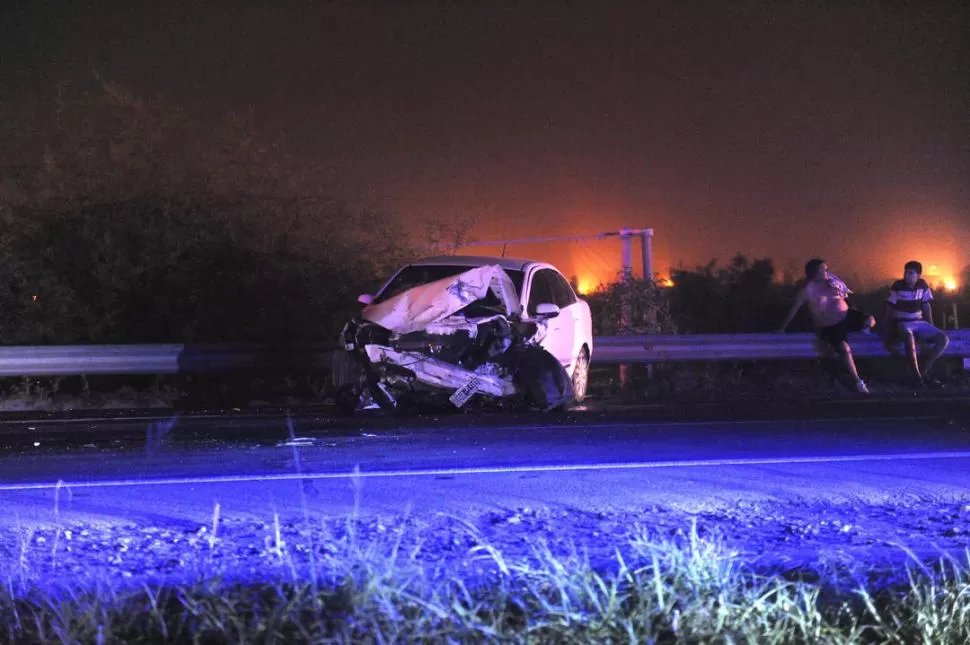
<point x="68" y="360"/>
<point x="714" y="347"/>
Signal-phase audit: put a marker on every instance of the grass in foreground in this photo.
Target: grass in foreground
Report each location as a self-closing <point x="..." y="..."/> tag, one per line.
<point x="689" y="591"/>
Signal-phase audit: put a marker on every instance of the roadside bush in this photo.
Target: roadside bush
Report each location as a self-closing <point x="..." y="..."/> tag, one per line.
<point x="741" y="297"/>
<point x="648" y="309"/>
<point x="129" y="220"/>
<point x="187" y="268"/>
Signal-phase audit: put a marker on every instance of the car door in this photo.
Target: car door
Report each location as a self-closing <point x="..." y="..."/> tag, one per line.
<point x="559" y="330"/>
<point x="570" y="314"/>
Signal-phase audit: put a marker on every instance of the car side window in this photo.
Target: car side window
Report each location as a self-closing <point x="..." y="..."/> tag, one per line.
<point x="540" y="292"/>
<point x="562" y="293"/>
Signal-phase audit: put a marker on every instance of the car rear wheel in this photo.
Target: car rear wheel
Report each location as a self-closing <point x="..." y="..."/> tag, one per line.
<point x="581" y="376"/>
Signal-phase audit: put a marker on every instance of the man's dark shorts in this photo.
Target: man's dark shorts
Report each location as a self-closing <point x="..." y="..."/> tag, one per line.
<point x="838" y="333"/>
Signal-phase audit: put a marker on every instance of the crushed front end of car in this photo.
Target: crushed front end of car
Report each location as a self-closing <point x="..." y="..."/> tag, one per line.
<point x="453" y="341"/>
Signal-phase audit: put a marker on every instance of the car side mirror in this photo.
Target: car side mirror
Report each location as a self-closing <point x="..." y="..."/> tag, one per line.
<point x="365" y="299"/>
<point x="547" y="310"/>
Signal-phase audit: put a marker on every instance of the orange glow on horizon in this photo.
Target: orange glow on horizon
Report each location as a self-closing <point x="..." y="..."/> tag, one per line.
<point x="941" y="278"/>
<point x="586" y="285"/>
<point x="591" y="263"/>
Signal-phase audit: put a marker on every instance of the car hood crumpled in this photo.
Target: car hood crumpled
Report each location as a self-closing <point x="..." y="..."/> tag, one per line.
<point x="419" y="307"/>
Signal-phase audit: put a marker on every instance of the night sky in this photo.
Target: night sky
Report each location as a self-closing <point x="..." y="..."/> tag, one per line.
<point x="834" y="129"/>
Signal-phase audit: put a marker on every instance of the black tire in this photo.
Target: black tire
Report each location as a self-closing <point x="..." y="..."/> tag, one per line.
<point x="347" y="398"/>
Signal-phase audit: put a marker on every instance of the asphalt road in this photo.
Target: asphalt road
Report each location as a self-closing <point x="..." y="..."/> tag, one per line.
<point x="115" y="471"/>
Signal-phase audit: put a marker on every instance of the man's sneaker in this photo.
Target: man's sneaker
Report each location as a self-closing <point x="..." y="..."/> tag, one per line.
<point x="916" y="383"/>
<point x="932" y="383"/>
<point x="861" y="388"/>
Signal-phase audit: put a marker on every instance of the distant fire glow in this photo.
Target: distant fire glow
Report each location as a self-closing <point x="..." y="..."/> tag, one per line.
<point x="586" y="285"/>
<point x="941" y="278"/>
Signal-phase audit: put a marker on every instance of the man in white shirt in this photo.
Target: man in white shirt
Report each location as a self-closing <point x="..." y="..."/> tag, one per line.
<point x="909" y="318"/>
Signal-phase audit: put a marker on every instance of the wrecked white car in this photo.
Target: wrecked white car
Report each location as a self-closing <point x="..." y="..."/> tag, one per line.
<point x="458" y="340"/>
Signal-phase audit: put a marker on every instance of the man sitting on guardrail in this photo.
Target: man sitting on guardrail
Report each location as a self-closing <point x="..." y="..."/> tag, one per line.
<point x="909" y="320"/>
<point x="826" y="296"/>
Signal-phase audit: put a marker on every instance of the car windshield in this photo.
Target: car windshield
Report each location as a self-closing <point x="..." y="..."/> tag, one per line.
<point x="415" y="275"/>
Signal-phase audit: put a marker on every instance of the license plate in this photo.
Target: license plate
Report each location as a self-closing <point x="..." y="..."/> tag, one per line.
<point x="465" y="392"/>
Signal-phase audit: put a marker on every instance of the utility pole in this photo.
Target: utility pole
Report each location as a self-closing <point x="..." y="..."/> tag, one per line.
<point x="646" y="256"/>
<point x="626" y="235"/>
<point x="646" y="252"/>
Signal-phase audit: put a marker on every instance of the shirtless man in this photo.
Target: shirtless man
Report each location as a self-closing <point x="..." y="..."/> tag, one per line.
<point x="825" y="294"/>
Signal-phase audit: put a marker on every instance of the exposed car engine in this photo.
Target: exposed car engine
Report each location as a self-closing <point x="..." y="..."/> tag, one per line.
<point x="456" y="339"/>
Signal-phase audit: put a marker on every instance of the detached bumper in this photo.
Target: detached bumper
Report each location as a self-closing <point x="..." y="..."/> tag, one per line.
<point x="439" y="374"/>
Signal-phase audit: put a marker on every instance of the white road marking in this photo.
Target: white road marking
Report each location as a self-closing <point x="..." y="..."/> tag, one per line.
<point x="716" y="422"/>
<point x="492" y="470"/>
<point x="330" y="416"/>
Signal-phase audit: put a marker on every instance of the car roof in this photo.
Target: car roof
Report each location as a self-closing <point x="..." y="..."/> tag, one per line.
<point x="515" y="264"/>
